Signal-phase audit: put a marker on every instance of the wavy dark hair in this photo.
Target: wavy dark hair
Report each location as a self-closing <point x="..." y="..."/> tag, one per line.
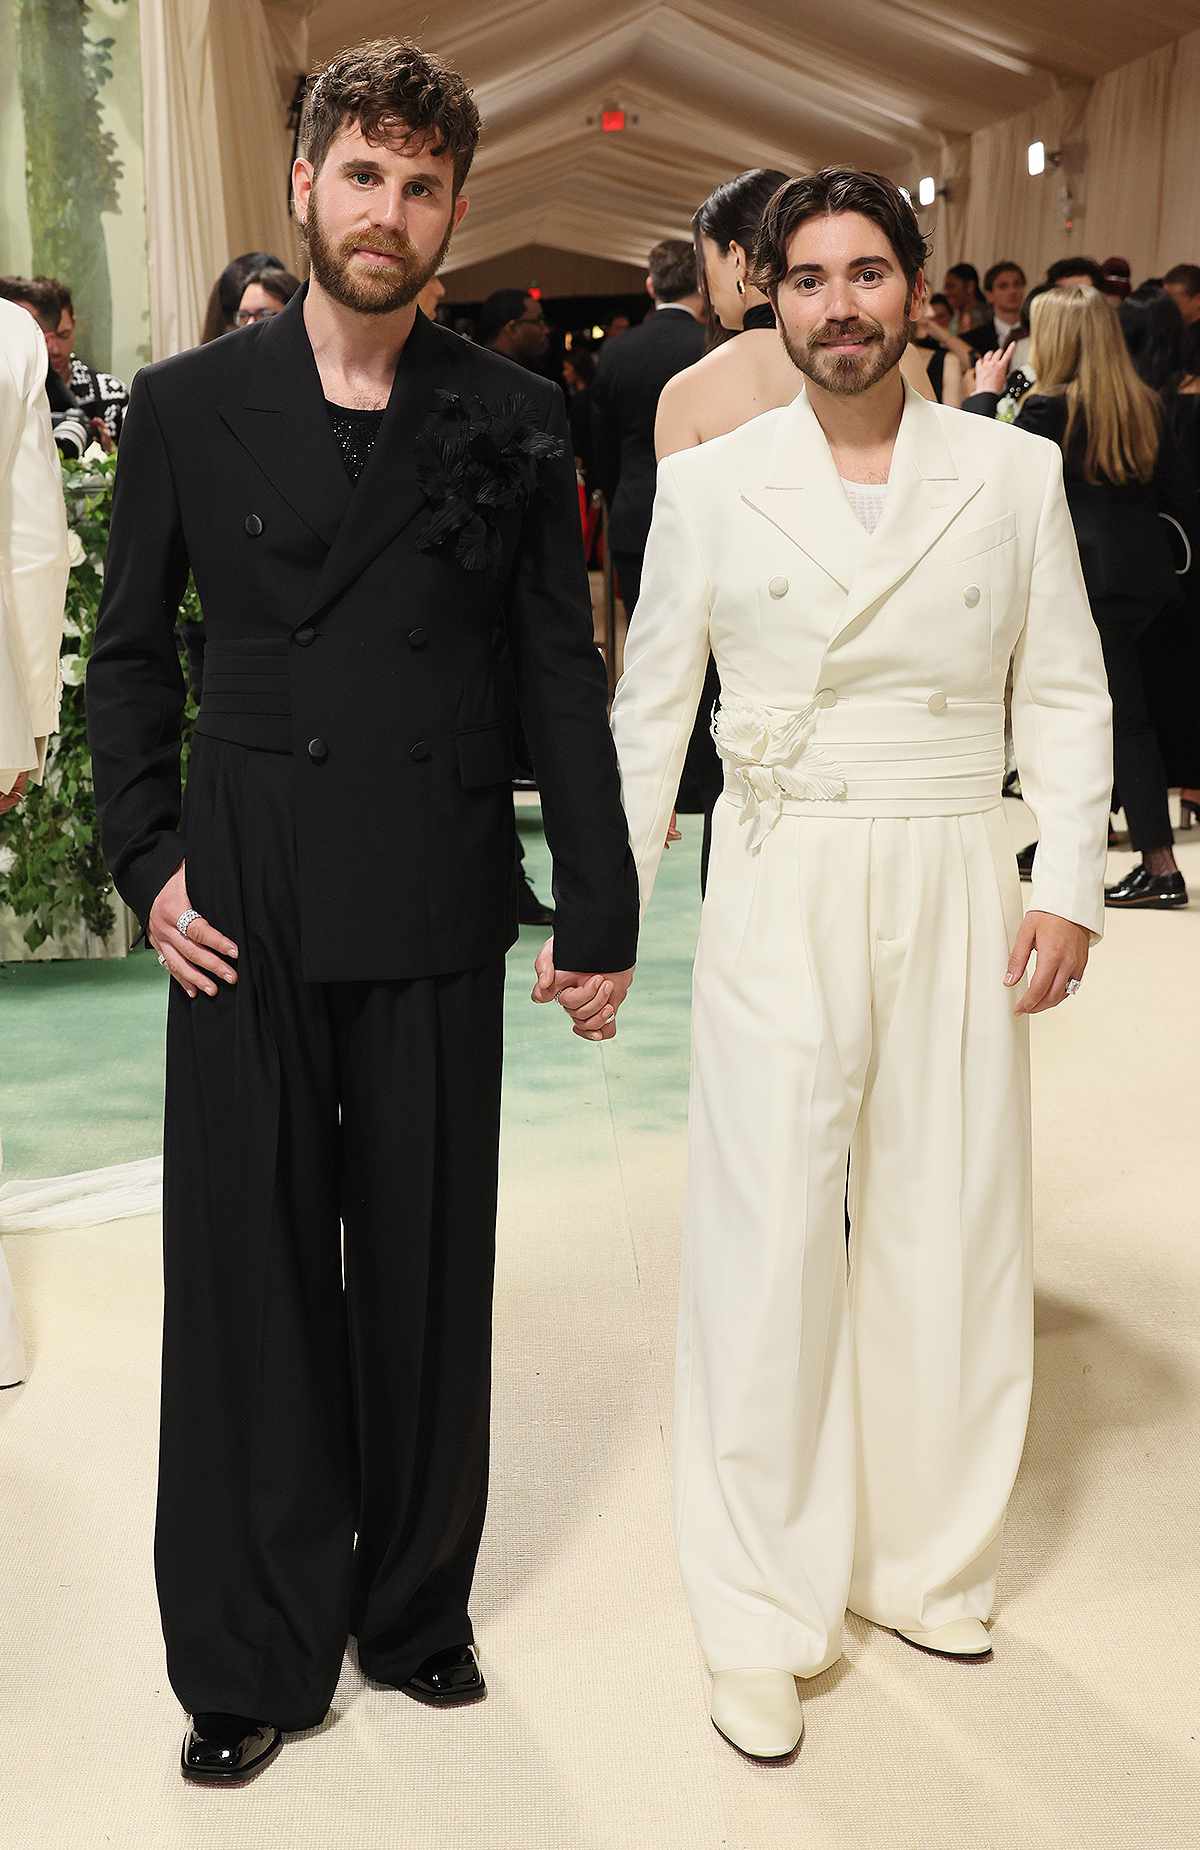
<point x="732" y="214"/>
<point x="390" y="88"/>
<point x="221" y="314"/>
<point x="1155" y="336"/>
<point x="834" y="190"/>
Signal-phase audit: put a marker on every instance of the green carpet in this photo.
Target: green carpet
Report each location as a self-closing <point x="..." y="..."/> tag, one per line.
<point x="81" y="1044"/>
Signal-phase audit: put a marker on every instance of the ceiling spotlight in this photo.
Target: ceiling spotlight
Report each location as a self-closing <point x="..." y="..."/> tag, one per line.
<point x="1037" y="157"/>
<point x="927" y="191"/>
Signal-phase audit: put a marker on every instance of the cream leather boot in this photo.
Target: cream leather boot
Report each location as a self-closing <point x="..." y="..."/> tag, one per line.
<point x="758" y="1712"/>
<point x="961" y="1638"/>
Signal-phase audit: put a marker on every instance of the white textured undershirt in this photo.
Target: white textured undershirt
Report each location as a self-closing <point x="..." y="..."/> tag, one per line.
<point x="866" y="498"/>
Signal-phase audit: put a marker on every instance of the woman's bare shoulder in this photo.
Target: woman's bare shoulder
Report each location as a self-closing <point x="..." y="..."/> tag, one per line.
<point x="728" y="387"/>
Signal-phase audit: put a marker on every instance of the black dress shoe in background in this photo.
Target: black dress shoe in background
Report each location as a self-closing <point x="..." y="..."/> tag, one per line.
<point x="530" y="910"/>
<point x="1150" y="892"/>
<point x="227" y="1750"/>
<point x="448" y="1679"/>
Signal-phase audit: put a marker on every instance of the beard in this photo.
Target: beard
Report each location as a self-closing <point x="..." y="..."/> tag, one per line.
<point x="848" y="373"/>
<point x="368" y="292"/>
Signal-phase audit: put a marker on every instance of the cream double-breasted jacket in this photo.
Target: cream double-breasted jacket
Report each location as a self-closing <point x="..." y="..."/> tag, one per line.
<point x="33" y="551"/>
<point x="866" y="675"/>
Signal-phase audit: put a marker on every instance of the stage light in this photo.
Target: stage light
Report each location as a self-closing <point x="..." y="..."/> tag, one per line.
<point x="1037" y="157"/>
<point x="927" y="191"/>
<point x="597" y="333"/>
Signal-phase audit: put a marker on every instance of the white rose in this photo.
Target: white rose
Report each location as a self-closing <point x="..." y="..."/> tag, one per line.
<point x="71" y="669"/>
<point x="95" y="453"/>
<point x="76" y="550"/>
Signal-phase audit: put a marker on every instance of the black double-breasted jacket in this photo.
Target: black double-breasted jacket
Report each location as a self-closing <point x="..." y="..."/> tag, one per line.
<point x="386" y="671"/>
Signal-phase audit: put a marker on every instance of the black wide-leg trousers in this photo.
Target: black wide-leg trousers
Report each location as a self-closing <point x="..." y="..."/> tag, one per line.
<point x="329" y="1239"/>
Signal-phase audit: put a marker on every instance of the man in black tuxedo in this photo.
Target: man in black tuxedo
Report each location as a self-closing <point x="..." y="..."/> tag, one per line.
<point x="1004" y="286"/>
<point x="629" y="381"/>
<point x="368" y="504"/>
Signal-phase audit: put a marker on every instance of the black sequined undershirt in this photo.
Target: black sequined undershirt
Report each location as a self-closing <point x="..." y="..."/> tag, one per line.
<point x="354" y="432"/>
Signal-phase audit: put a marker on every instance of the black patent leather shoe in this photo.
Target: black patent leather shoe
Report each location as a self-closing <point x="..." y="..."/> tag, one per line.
<point x="1150" y="892"/>
<point x="448" y="1679"/>
<point x="530" y="910"/>
<point x="228" y="1750"/>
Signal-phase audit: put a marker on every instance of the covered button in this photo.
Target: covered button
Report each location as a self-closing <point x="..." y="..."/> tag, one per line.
<point x="971" y="596"/>
<point x="827" y="698"/>
<point x="937" y="702"/>
<point x="778" y="587"/>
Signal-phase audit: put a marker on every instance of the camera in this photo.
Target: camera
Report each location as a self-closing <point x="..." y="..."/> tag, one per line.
<point x="71" y="432"/>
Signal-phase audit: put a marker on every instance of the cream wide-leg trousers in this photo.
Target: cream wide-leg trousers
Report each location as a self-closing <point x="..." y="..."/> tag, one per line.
<point x="849" y="1435"/>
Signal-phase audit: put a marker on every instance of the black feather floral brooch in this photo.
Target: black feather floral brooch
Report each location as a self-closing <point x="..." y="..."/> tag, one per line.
<point x="474" y="462"/>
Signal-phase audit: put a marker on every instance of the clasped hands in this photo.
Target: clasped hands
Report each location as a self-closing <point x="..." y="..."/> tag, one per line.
<point x="591" y="1000"/>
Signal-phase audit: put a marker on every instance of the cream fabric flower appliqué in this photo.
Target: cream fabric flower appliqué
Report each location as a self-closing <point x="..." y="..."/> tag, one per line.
<point x="770" y="755"/>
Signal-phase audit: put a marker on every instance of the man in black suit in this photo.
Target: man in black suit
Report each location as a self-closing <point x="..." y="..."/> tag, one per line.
<point x="629" y="381"/>
<point x="1004" y="286"/>
<point x="366" y="502"/>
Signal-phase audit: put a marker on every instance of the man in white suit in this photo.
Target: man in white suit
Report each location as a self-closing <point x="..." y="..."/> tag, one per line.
<point x="865" y="566"/>
<point x="33" y="577"/>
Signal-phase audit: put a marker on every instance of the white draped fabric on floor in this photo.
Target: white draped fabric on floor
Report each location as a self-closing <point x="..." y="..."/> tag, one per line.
<point x="956" y="92"/>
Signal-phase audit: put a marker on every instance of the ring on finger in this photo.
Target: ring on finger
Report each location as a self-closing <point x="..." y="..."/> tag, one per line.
<point x="1074" y="985"/>
<point x="185" y="919"/>
<point x="162" y="960"/>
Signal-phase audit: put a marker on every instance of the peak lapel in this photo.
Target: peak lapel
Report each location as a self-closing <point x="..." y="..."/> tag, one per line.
<point x="387" y="494"/>
<point x="925" y="493"/>
<point x="800" y="493"/>
<point x="281" y="419"/>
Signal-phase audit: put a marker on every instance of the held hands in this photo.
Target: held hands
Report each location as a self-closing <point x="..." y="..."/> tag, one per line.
<point x="591" y="1001"/>
<point x="1062" y="954"/>
<point x="991" y="370"/>
<point x="192" y="961"/>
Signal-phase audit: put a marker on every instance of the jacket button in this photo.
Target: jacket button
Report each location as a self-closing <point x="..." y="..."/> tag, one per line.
<point x="305" y="636"/>
<point x="827" y="698"/>
<point x="253" y="526"/>
<point x="419" y="752"/>
<point x="778" y="587"/>
<point x="971" y="596"/>
<point x="937" y="703"/>
<point x="418" y="638"/>
<point x="318" y="751"/>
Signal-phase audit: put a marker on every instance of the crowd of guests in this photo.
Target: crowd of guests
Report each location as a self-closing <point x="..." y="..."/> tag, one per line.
<point x="1108" y="371"/>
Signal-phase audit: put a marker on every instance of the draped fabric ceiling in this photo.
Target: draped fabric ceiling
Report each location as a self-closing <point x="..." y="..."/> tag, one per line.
<point x="909" y="87"/>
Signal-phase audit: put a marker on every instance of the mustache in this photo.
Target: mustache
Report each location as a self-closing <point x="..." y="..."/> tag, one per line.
<point x="379" y="245"/>
<point x="830" y="337"/>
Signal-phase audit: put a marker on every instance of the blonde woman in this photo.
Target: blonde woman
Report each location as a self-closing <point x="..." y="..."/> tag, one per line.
<point x="1123" y="469"/>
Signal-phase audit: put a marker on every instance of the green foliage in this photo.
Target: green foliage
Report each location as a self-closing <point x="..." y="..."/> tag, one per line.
<point x="71" y="165"/>
<point x="51" y="870"/>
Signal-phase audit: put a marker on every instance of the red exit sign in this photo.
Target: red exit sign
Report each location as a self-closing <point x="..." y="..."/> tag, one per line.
<point x="612" y="121"/>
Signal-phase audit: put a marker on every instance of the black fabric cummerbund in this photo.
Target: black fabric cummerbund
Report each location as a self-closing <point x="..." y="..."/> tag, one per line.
<point x="246" y="698"/>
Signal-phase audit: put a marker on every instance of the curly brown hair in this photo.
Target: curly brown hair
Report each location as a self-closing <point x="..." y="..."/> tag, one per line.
<point x="390" y="88"/>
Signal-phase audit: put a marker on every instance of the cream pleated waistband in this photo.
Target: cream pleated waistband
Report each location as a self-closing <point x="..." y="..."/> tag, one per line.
<point x="851" y="756"/>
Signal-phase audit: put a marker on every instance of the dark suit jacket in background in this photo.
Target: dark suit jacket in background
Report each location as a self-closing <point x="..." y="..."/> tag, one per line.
<point x="382" y="669"/>
<point x="625" y="393"/>
<point x="1124" y="548"/>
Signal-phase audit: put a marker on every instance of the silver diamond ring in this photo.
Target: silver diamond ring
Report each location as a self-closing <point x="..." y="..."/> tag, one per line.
<point x="162" y="960"/>
<point x="1073" y="985"/>
<point x="184" y="920"/>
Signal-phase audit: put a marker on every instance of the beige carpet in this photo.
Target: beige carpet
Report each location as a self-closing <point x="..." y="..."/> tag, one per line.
<point x="1081" y="1734"/>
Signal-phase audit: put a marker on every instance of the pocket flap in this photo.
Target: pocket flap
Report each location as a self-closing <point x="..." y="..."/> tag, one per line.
<point x="485" y="756"/>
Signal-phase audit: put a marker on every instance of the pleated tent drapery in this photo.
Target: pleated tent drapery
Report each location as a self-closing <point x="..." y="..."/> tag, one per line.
<point x="216" y="147"/>
<point x="910" y="87"/>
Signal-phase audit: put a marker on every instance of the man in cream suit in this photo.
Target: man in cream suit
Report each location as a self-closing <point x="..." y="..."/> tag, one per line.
<point x="33" y="576"/>
<point x="865" y="566"/>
